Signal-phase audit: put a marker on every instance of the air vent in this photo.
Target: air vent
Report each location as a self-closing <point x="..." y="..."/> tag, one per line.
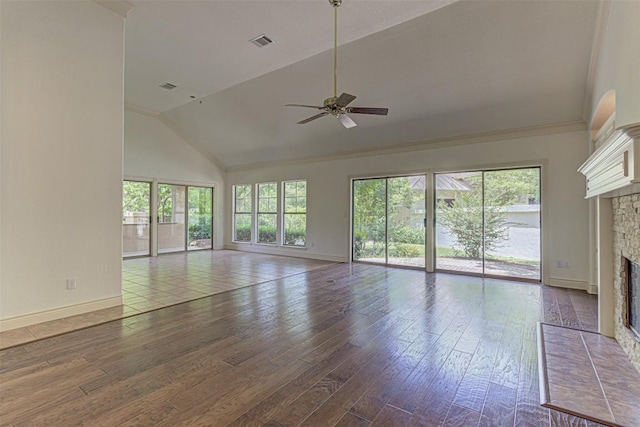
<point x="261" y="41"/>
<point x="168" y="86"/>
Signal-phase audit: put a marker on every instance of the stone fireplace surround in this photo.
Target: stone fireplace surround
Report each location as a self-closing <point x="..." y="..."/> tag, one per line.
<point x="626" y="243"/>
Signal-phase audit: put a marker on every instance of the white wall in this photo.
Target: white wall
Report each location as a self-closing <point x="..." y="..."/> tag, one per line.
<point x="62" y="131"/>
<point x="619" y="62"/>
<point x="151" y="150"/>
<point x="565" y="214"/>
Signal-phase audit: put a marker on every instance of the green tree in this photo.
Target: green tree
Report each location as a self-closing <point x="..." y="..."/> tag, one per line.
<point x="135" y="196"/>
<point x="375" y="202"/>
<point x="464" y="219"/>
<point x="200" y="213"/>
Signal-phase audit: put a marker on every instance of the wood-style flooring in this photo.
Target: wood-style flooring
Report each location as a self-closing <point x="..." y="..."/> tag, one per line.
<point x="347" y="345"/>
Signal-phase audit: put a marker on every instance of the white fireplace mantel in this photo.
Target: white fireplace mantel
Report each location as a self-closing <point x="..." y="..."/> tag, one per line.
<point x="615" y="164"/>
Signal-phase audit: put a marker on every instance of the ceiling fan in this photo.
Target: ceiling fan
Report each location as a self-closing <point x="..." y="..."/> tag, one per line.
<point x="337" y="106"/>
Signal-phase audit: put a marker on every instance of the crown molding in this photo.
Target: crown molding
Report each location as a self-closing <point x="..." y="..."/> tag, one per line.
<point x="121" y="7"/>
<point x="175" y="128"/>
<point x="548" y="129"/>
<point x="599" y="32"/>
<point x="140" y="110"/>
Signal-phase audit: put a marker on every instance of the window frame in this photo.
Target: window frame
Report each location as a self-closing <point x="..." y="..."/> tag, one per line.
<point x="236" y="212"/>
<point x="285" y="213"/>
<point x="259" y="212"/>
<point x="189" y="248"/>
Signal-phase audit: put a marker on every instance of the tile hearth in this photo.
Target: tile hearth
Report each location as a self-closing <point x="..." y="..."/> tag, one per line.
<point x="596" y="382"/>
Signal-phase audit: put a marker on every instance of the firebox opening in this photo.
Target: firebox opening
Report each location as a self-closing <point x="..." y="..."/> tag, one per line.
<point x="633" y="297"/>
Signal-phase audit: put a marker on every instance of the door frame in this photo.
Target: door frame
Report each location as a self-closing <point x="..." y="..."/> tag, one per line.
<point x="483" y="170"/>
<point x="541" y="163"/>
<point x="386" y="177"/>
<point x="151" y="238"/>
<point x="153" y="233"/>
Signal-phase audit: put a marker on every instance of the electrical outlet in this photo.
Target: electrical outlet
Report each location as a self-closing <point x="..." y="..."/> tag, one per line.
<point x="562" y="264"/>
<point x="71" y="284"/>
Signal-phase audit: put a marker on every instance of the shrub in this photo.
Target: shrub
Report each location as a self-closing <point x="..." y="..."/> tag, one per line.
<point x="294" y="237"/>
<point x="406" y="234"/>
<point x="199" y="231"/>
<point x="404" y="250"/>
<point x="266" y="234"/>
<point x="243" y="234"/>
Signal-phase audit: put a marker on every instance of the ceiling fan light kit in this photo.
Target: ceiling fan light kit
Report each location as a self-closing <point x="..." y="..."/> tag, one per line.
<point x="337" y="106"/>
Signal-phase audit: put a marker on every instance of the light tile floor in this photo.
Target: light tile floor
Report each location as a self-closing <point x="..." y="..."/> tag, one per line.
<point x="589" y="375"/>
<point x="156" y="282"/>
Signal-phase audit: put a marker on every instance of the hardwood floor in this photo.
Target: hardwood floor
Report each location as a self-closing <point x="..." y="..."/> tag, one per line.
<point x="346" y="345"/>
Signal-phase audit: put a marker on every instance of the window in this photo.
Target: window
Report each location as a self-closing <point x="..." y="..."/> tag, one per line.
<point x="294" y="213"/>
<point x="242" y="210"/>
<point x="267" y="217"/>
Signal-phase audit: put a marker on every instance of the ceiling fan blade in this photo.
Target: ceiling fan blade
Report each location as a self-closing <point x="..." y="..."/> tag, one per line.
<point x="305" y="106"/>
<point x="346" y="121"/>
<point x="317" y="116"/>
<point x="368" y="110"/>
<point x="344" y="99"/>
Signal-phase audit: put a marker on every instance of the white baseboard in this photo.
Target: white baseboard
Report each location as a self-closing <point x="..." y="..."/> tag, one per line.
<point x="592" y="289"/>
<point x="279" y="250"/>
<point x="58" y="313"/>
<point x="569" y="283"/>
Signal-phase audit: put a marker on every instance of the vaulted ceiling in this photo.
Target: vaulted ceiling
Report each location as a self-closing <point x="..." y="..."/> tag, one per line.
<point x="443" y="69"/>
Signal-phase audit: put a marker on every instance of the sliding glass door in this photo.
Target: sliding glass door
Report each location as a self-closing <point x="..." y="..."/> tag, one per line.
<point x="389" y="220"/>
<point x="459" y="220"/>
<point x="512" y="223"/>
<point x="136" y="208"/>
<point x="200" y="216"/>
<point x="171" y="218"/>
<point x="184" y="218"/>
<point x="488" y="222"/>
<point x="370" y="220"/>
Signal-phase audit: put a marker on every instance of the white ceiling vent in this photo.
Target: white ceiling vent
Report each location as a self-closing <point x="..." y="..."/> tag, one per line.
<point x="168" y="86"/>
<point x="261" y="41"/>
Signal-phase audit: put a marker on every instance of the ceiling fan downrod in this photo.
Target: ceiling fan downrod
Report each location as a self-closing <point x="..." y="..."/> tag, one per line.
<point x="337" y="106"/>
<point x="335" y="4"/>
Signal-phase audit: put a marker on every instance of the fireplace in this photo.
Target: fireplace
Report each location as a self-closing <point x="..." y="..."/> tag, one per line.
<point x="632" y="296"/>
<point x="613" y="175"/>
